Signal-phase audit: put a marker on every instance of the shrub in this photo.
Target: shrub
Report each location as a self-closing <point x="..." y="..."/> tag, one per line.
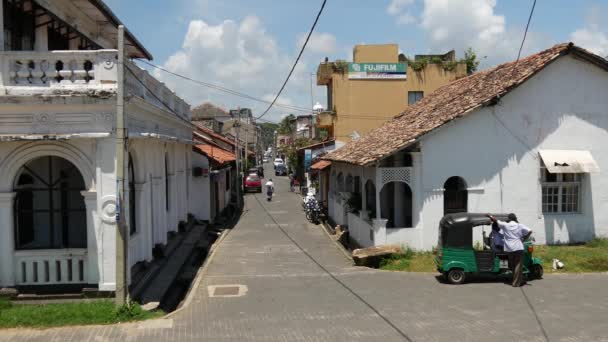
<point x="598" y="243"/>
<point x="596" y="264"/>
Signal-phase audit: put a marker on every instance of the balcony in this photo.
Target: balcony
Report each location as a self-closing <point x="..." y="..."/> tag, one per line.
<point x="85" y="73"/>
<point x="325" y="119"/>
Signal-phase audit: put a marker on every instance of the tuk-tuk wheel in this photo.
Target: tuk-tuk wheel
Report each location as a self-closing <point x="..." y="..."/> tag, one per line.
<point x="456" y="276"/>
<point x="537" y="271"/>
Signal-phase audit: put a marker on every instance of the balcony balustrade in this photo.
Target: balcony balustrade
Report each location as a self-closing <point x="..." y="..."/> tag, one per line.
<point x="29" y="73"/>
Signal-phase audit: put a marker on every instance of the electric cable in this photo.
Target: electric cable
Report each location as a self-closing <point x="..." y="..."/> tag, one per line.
<point x="296" y="62"/>
<point x="525" y="32"/>
<point x="224" y="89"/>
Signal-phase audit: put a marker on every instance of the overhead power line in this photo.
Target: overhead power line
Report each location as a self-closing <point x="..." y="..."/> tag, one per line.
<point x="296" y="62"/>
<point x="526" y="31"/>
<point x="224" y="89"/>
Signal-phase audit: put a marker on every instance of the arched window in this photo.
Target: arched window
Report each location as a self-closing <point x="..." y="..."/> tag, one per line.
<point x="333" y="184"/>
<point x="132" y="205"/>
<point x="349" y="187"/>
<point x="396" y="204"/>
<point x="455" y="196"/>
<point x="340" y="182"/>
<point x="166" y="181"/>
<point x="49" y="208"/>
<point x="370" y="198"/>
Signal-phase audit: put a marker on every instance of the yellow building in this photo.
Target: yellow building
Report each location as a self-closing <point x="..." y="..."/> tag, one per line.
<point x="379" y="84"/>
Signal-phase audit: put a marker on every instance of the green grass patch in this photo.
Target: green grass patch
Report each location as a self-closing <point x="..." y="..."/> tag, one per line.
<point x="409" y="260"/>
<point x="83" y="313"/>
<point x="589" y="257"/>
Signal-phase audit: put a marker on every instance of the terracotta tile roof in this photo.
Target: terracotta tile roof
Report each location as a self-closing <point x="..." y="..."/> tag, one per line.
<point x="218" y="155"/>
<point x="449" y="102"/>
<point x="320" y="165"/>
<point x="318" y="144"/>
<point x="210" y="132"/>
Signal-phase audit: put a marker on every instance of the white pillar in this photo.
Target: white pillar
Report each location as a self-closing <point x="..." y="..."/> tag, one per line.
<point x="7" y="240"/>
<point x="378" y="190"/>
<point x="41" y="43"/>
<point x="417" y="189"/>
<point x="144" y="226"/>
<point x="94" y="246"/>
<point x="172" y="213"/>
<point x="158" y="210"/>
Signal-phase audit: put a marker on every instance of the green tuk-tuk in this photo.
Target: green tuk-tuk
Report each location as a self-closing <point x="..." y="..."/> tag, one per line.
<point x="456" y="258"/>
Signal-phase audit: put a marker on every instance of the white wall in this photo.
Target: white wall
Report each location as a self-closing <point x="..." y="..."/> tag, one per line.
<point x="200" y="192"/>
<point x="563" y="107"/>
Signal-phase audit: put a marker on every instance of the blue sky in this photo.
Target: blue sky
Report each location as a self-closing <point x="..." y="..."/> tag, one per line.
<point x="249" y="45"/>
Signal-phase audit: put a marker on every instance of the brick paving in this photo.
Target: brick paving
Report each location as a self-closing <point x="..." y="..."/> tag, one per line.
<point x="300" y="287"/>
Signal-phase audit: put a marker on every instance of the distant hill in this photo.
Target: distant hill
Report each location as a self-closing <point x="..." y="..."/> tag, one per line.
<point x="208" y="110"/>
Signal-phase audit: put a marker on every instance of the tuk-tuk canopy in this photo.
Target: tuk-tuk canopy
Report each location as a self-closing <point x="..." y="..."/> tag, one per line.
<point x="456" y="230"/>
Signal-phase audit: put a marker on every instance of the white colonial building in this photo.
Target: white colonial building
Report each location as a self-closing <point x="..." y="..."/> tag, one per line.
<point x="529" y="137"/>
<point x="58" y="187"/>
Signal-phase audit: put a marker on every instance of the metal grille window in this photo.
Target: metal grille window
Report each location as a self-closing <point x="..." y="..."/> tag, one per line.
<point x="19" y="25"/>
<point x="49" y="208"/>
<point x="560" y="191"/>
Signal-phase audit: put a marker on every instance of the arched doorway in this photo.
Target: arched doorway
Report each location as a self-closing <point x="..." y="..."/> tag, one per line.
<point x="49" y="209"/>
<point x="455" y="195"/>
<point x="340" y="182"/>
<point x="396" y="205"/>
<point x="370" y="199"/>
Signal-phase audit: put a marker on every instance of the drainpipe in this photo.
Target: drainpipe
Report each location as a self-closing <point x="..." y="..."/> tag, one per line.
<point x="122" y="291"/>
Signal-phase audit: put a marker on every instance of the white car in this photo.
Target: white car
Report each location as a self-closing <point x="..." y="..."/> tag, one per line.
<point x="278" y="162"/>
<point x="265" y="160"/>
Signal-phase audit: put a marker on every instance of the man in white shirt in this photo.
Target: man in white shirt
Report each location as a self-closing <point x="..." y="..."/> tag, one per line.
<point x="514" y="233"/>
<point x="269" y="189"/>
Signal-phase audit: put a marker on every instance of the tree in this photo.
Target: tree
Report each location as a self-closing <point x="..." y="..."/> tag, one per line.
<point x="470" y="58"/>
<point x="208" y="110"/>
<point x="287" y="125"/>
<point x="268" y="129"/>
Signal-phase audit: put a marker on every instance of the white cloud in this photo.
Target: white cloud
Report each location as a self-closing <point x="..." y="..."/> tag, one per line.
<point x="591" y="39"/>
<point x="319" y="43"/>
<point x="237" y="55"/>
<point x="399" y="10"/>
<point x="594" y="35"/>
<point x="406" y="19"/>
<point x="396" y="6"/>
<point x="459" y="24"/>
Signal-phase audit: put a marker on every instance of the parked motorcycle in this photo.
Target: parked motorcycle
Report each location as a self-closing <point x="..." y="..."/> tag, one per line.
<point x="312" y="209"/>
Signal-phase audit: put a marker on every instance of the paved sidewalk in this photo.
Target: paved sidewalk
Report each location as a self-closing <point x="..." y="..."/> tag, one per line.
<point x="288" y="282"/>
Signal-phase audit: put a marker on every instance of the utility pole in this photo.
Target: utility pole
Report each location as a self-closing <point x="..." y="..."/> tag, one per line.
<point x="246" y="149"/>
<point x="122" y="291"/>
<point x="238" y="167"/>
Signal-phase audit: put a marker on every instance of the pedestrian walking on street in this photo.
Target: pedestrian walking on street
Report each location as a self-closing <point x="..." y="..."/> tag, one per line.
<point x="514" y="233"/>
<point x="296" y="185"/>
<point x="269" y="189"/>
<point x="291" y="180"/>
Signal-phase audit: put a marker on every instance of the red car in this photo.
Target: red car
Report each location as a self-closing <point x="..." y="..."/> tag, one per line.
<point x="253" y="182"/>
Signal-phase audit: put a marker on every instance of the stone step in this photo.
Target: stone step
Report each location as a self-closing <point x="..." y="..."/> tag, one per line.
<point x="153" y="268"/>
<point x="158" y="286"/>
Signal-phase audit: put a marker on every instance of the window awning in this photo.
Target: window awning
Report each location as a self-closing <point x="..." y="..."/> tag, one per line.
<point x="320" y="165"/>
<point x="569" y="161"/>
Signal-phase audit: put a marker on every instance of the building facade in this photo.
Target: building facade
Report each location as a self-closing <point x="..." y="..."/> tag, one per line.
<point x="58" y="209"/>
<point x="527" y="137"/>
<point x="360" y="100"/>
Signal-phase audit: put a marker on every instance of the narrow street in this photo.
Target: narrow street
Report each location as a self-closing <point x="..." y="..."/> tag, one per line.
<point x="285" y="280"/>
